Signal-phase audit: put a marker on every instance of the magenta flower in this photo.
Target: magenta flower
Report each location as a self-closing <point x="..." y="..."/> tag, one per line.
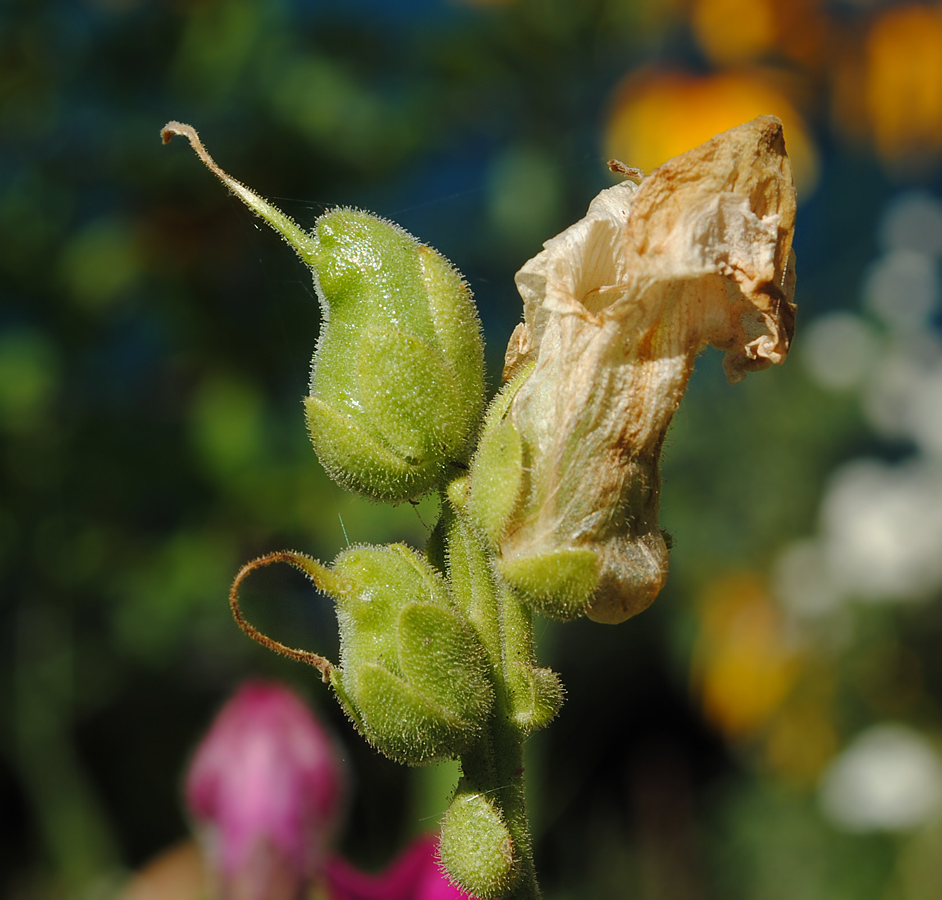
<point x="267" y="788"/>
<point x="415" y="875"/>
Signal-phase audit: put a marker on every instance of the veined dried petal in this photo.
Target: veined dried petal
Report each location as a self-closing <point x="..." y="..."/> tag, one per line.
<point x="615" y="310"/>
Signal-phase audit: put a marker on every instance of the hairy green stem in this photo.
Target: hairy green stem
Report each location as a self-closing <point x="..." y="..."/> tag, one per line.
<point x="493" y="766"/>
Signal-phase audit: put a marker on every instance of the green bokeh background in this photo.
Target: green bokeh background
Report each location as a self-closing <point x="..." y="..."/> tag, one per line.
<point x="154" y="346"/>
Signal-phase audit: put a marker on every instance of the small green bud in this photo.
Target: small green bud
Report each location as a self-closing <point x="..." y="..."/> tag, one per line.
<point x="537" y="695"/>
<point x="413" y="674"/>
<point x="397" y="379"/>
<point x="476" y="847"/>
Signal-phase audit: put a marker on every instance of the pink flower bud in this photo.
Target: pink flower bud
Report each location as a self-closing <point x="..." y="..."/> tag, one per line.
<point x="267" y="788"/>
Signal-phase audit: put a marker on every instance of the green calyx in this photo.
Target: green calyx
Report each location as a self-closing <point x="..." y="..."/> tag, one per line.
<point x="497" y="469"/>
<point x="537" y="695"/>
<point x="558" y="583"/>
<point x="413" y="675"/>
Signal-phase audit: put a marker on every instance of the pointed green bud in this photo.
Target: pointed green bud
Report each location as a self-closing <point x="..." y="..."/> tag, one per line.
<point x="397" y="384"/>
<point x="476" y="847"/>
<point x="398" y="375"/>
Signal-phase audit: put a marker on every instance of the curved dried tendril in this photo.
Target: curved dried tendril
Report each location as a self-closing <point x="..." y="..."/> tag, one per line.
<point x="306" y="565"/>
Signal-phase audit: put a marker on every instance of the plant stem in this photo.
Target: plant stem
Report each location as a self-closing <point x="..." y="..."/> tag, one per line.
<point x="494" y="767"/>
<point x="494" y="764"/>
<point x="509" y="738"/>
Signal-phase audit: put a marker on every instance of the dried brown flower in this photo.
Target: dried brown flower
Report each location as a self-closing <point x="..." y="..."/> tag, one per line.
<point x="616" y="308"/>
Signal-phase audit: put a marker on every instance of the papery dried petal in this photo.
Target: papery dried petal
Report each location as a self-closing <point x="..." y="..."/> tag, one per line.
<point x="615" y="310"/>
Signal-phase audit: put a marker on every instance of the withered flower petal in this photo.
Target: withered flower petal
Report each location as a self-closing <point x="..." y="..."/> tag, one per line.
<point x="616" y="308"/>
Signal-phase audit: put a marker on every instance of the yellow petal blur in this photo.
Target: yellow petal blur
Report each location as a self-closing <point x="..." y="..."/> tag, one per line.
<point x="733" y="32"/>
<point x="903" y="86"/>
<point x="744" y="665"/>
<point x="656" y="115"/>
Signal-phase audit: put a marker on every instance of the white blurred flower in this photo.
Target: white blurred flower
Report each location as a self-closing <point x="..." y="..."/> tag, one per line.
<point x="888" y="779"/>
<point x="913" y="222"/>
<point x="902" y="289"/>
<point x="890" y="397"/>
<point x="882" y="529"/>
<point x="802" y="583"/>
<point x="838" y="350"/>
<point x="925" y="408"/>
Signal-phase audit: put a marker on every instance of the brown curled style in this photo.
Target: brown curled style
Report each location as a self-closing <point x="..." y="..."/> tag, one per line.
<point x="304" y="564"/>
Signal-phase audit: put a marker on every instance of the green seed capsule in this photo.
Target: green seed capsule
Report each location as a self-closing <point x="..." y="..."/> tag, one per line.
<point x="397" y="383"/>
<point x="413" y="674"/>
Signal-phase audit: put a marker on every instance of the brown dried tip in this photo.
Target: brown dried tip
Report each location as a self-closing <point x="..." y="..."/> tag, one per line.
<point x="189" y="132"/>
<point x="300" y="240"/>
<point x="632" y="173"/>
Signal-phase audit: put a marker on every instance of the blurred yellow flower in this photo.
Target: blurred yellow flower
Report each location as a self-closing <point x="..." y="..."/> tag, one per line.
<point x="903" y="82"/>
<point x="737" y="31"/>
<point x="744" y="665"/>
<point x="658" y="114"/>
<point x="734" y="30"/>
